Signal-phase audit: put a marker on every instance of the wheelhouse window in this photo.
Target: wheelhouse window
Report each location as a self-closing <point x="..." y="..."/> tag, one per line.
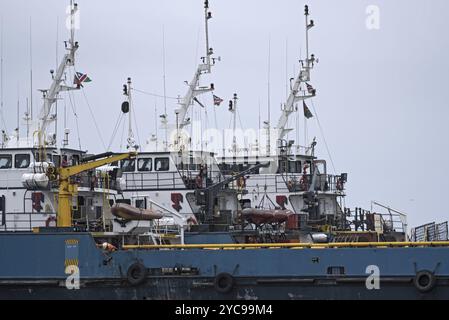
<point x="5" y="161"/>
<point x="129" y="165"/>
<point x="75" y="159"/>
<point x="145" y="164"/>
<point x="294" y="167"/>
<point x="22" y="161"/>
<point x="162" y="164"/>
<point x="282" y="166"/>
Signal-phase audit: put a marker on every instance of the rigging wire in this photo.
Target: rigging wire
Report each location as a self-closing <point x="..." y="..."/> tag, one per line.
<point x="324" y="137"/>
<point x="76" y="118"/>
<point x="93" y="118"/>
<point x="123" y="133"/>
<point x="116" y="128"/>
<point x="1" y="76"/>
<point x="155" y="94"/>
<point x="137" y="128"/>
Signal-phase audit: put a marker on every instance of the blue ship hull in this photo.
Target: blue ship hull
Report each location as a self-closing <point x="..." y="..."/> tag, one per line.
<point x="33" y="267"/>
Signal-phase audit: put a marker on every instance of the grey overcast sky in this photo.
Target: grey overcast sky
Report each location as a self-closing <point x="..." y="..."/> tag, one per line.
<point x="382" y="94"/>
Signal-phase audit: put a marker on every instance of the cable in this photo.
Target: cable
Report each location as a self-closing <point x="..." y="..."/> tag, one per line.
<point x="324" y="137"/>
<point x="93" y="118"/>
<point x="114" y="132"/>
<point x="121" y="139"/>
<point x="3" y="119"/>
<point x="137" y="128"/>
<point x="76" y="119"/>
<point x="154" y="94"/>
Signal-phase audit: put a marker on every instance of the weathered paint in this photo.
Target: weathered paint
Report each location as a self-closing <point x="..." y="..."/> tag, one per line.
<point x="33" y="265"/>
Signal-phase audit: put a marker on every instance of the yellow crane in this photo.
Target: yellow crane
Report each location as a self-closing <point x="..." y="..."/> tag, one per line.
<point x="67" y="188"/>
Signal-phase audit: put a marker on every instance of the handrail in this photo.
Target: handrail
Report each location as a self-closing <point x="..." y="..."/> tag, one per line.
<point x="291" y="246"/>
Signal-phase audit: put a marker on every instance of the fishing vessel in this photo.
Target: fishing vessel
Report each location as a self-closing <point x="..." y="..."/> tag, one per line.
<point x="27" y="195"/>
<point x="249" y="253"/>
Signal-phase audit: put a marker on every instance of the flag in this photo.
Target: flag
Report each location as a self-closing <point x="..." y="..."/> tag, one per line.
<point x="310" y="89"/>
<point x="307" y="113"/>
<point x="80" y="78"/>
<point x="217" y="100"/>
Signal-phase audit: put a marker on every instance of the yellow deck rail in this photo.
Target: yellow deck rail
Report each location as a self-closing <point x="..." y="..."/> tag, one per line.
<point x="290" y="246"/>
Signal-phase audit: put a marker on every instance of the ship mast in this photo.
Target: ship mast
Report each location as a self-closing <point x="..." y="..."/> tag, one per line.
<point x="302" y="77"/>
<point x="193" y="87"/>
<point x="4" y="133"/>
<point x="233" y="109"/>
<point x="51" y="95"/>
<point x="127" y="88"/>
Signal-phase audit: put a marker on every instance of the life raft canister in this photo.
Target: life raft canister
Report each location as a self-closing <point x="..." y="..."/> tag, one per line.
<point x="136" y="274"/>
<point x="425" y="281"/>
<point x="224" y="283"/>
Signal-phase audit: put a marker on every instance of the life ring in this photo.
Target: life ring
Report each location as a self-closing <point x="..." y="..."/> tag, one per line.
<point x="224" y="283"/>
<point x="425" y="281"/>
<point x="136" y="274"/>
<point x="50" y="221"/>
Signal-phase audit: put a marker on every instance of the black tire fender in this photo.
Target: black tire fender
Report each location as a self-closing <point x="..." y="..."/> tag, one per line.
<point x="224" y="283"/>
<point x="425" y="281"/>
<point x="136" y="274"/>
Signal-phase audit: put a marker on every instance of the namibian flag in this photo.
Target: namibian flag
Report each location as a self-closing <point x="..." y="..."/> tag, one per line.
<point x="80" y="78"/>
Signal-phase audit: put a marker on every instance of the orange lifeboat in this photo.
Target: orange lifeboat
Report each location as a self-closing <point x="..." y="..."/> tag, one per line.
<point x="259" y="216"/>
<point x="130" y="213"/>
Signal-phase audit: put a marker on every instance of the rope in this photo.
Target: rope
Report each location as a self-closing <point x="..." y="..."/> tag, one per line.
<point x="324" y="137"/>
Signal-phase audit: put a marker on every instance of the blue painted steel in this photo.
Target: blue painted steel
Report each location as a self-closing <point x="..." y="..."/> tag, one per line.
<point x="43" y="257"/>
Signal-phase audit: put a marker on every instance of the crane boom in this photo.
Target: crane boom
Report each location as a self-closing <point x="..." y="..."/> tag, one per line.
<point x="67" y="188"/>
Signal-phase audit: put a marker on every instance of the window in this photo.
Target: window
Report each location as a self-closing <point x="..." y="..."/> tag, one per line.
<point x="282" y="166"/>
<point x="57" y="161"/>
<point x="294" y="167"/>
<point x="5" y="161"/>
<point x="129" y="165"/>
<point x="22" y="161"/>
<point x="75" y="159"/>
<point x="145" y="164"/>
<point x="2" y="204"/>
<point x="141" y="204"/>
<point x="162" y="164"/>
